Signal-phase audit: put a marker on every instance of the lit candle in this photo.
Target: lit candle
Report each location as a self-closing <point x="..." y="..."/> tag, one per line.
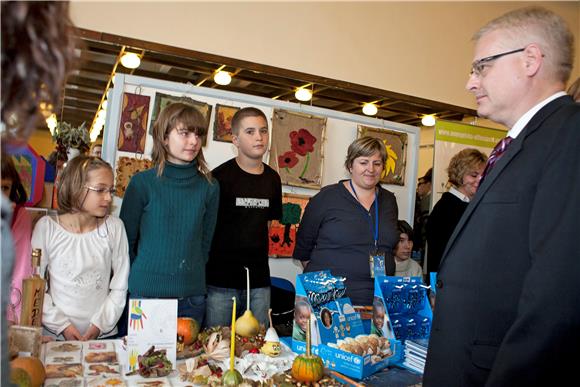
<point x="233" y="333"/>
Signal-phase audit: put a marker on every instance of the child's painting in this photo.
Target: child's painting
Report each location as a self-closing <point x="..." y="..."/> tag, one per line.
<point x="396" y="148"/>
<point x="133" y="127"/>
<point x="126" y="168"/>
<point x="151" y="322"/>
<point x="296" y="150"/>
<point x="222" y="126"/>
<point x="162" y="100"/>
<point x="282" y="234"/>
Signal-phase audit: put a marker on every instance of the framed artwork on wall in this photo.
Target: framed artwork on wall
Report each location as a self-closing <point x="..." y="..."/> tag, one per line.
<point x="126" y="168"/>
<point x="396" y="148"/>
<point x="133" y="126"/>
<point x="162" y="100"/>
<point x="296" y="149"/>
<point x="222" y="126"/>
<point x="282" y="234"/>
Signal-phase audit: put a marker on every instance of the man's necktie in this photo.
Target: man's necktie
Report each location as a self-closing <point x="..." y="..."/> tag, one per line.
<point x="495" y="155"/>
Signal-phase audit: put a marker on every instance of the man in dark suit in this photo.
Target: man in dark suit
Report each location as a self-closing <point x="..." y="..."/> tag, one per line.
<point x="508" y="297"/>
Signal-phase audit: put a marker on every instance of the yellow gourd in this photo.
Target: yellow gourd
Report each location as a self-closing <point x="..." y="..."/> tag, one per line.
<point x="232" y="378"/>
<point x="247" y="325"/>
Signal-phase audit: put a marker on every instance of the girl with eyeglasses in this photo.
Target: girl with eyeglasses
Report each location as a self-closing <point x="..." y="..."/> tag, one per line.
<point x="85" y="255"/>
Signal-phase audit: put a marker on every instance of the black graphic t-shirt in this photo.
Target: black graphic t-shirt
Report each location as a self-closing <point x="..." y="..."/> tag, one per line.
<point x="247" y="203"/>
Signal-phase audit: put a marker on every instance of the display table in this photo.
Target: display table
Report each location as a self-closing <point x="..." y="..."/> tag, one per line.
<point x="252" y="366"/>
<point x="70" y="368"/>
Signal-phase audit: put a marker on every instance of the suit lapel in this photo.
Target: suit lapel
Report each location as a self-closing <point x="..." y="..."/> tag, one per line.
<point x="514" y="148"/>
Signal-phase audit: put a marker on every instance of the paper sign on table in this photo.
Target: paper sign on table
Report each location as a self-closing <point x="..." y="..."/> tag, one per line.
<point x="152" y="322"/>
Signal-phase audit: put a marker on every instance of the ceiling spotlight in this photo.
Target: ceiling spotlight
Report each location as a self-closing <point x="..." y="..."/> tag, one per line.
<point x="130" y="60"/>
<point x="370" y="109"/>
<point x="303" y="95"/>
<point x="222" y="78"/>
<point x="428" y="120"/>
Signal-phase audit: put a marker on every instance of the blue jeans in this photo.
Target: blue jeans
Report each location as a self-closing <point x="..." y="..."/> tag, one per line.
<point x="193" y="306"/>
<point x="219" y="305"/>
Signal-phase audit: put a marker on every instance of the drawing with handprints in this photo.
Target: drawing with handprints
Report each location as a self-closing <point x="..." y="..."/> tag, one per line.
<point x="137" y="315"/>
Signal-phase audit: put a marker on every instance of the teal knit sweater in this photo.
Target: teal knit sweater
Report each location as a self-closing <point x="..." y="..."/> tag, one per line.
<point x="170" y="221"/>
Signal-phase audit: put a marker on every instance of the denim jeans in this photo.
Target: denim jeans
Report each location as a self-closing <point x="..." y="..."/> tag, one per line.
<point x="193" y="306"/>
<point x="219" y="305"/>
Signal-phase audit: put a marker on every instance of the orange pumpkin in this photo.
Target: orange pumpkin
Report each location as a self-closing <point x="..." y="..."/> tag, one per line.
<point x="20" y="378"/>
<point x="33" y="367"/>
<point x="187" y="330"/>
<point x="307" y="368"/>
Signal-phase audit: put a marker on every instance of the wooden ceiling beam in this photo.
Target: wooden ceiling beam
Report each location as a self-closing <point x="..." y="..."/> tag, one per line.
<point x="77" y="103"/>
<point x="97" y="68"/>
<point x="82" y="94"/>
<point x="262" y="80"/>
<point x="162" y="76"/>
<point x="87" y="82"/>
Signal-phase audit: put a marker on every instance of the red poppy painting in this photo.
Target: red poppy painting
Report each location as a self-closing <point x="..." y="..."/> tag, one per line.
<point x="296" y="151"/>
<point x="302" y="141"/>
<point x="287" y="160"/>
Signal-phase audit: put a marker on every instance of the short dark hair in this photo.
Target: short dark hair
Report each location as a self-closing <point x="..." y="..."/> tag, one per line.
<point x="428" y="176"/>
<point x="405" y="228"/>
<point x="244" y="113"/>
<point x="378" y="305"/>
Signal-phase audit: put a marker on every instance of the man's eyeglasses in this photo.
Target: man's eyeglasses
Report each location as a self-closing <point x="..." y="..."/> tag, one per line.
<point x="101" y="191"/>
<point x="479" y="65"/>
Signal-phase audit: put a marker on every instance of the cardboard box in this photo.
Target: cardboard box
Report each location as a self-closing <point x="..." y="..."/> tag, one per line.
<point x="333" y="324"/>
<point x="401" y="310"/>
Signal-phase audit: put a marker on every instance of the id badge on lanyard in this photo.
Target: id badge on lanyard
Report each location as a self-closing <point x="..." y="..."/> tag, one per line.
<point x="377" y="263"/>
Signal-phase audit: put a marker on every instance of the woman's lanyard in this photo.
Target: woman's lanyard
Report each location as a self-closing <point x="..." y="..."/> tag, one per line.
<point x="376" y="226"/>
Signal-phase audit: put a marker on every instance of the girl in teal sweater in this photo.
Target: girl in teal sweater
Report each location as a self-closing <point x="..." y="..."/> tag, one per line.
<point x="170" y="213"/>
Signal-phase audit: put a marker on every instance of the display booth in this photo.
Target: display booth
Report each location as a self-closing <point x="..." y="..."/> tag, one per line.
<point x="134" y="103"/>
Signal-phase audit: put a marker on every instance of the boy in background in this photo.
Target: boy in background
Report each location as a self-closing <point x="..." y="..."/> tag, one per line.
<point x="250" y="196"/>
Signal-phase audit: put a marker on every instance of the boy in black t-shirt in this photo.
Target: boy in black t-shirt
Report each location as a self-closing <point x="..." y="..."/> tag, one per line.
<point x="250" y="196"/>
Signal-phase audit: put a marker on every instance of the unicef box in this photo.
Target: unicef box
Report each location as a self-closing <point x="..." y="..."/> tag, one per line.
<point x="401" y="308"/>
<point x="337" y="333"/>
